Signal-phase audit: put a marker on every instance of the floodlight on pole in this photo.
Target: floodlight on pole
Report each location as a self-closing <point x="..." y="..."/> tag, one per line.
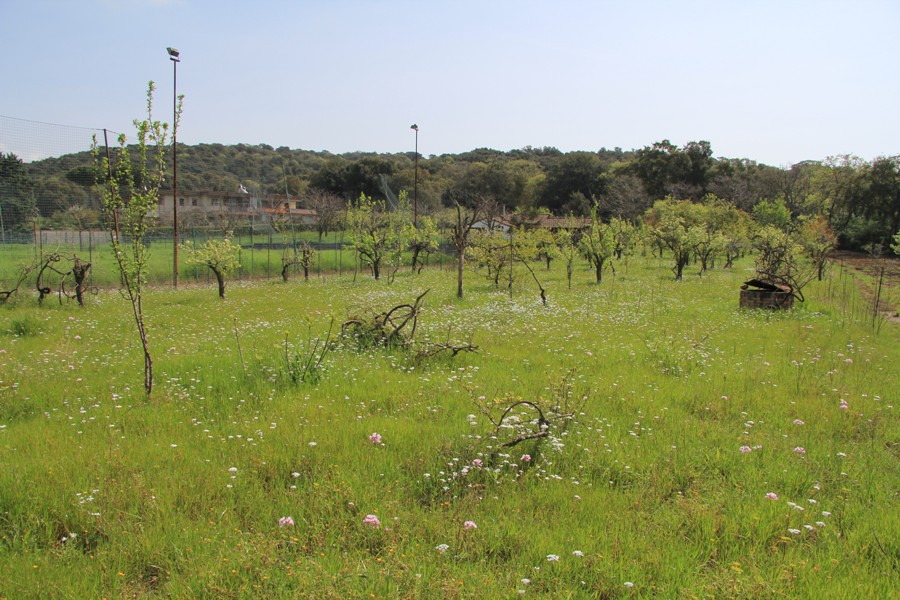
<point x="174" y="57"/>
<point x="415" y="128"/>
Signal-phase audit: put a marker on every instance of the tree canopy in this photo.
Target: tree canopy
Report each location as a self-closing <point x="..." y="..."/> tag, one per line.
<point x="860" y="199"/>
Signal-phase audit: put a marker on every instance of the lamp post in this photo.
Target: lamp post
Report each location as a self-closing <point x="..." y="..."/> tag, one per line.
<point x="415" y="128"/>
<point x="173" y="56"/>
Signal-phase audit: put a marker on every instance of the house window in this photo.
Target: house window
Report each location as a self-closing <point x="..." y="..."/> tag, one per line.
<point x="215" y="201"/>
<point x="181" y="202"/>
<point x="297" y="205"/>
<point x="194" y="202"/>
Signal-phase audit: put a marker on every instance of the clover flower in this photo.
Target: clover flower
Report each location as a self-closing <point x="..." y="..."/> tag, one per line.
<point x="470" y="525"/>
<point x="375" y="438"/>
<point x="285" y="522"/>
<point x="372" y="521"/>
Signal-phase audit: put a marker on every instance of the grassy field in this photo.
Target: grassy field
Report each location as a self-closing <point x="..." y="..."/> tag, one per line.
<point x="711" y="452"/>
<point x="259" y="258"/>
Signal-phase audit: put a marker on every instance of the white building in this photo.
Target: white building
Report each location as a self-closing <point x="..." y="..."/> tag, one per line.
<point x="211" y="204"/>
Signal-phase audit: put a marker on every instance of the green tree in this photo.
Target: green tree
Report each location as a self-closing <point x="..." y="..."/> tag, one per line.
<point x="883" y="197"/>
<point x="567" y="242"/>
<point x="625" y="236"/>
<point x="17" y="202"/>
<point x="772" y="213"/>
<point x="423" y="240"/>
<point x="598" y="244"/>
<point x="673" y="223"/>
<point x="491" y="249"/>
<point x="130" y="198"/>
<point x="574" y="178"/>
<point x="664" y="169"/>
<point x="371" y="234"/>
<point x="817" y="240"/>
<point x="220" y="256"/>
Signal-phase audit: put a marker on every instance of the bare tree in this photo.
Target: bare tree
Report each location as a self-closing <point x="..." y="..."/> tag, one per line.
<point x="21" y="275"/>
<point x="328" y="209"/>
<point x="466" y="218"/>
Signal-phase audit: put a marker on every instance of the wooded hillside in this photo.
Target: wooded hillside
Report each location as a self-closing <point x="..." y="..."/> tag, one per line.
<point x="860" y="199"/>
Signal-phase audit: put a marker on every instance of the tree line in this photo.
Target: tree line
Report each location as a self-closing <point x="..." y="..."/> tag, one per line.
<point x="859" y="200"/>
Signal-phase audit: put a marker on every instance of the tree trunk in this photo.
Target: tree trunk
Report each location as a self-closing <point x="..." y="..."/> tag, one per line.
<point x="79" y="272"/>
<point x="598" y="266"/>
<point x="220" y="279"/>
<point x="459" y="273"/>
<point x="679" y="267"/>
<point x="148" y="366"/>
<point x="415" y="257"/>
<point x="138" y="310"/>
<point x="376" y="269"/>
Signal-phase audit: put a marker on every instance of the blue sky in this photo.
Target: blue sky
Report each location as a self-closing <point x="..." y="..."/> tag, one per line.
<point x="773" y="81"/>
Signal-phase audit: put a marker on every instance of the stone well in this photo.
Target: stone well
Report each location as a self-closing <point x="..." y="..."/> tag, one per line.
<point x="760" y="294"/>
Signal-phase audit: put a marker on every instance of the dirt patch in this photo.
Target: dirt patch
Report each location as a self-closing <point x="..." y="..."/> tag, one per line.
<point x="866" y="271"/>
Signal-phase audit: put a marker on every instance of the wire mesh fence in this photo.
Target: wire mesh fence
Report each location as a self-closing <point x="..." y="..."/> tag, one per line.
<point x="50" y="207"/>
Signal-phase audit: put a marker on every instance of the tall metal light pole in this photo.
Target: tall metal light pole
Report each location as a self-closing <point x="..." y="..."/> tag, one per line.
<point x="173" y="56"/>
<point x="416" y="185"/>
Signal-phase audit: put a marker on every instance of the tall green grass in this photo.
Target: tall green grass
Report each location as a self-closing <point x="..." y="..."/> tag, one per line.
<point x="260" y="258"/>
<point x="104" y="493"/>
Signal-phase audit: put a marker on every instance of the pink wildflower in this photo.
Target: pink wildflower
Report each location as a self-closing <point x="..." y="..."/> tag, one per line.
<point x="372" y="521"/>
<point x="772" y="496"/>
<point x="375" y="438"/>
<point x="526" y="458"/>
<point x="798" y="422"/>
<point x="800" y="450"/>
<point x="745" y="449"/>
<point x="478" y="463"/>
<point x="285" y="522"/>
<point x="470" y="525"/>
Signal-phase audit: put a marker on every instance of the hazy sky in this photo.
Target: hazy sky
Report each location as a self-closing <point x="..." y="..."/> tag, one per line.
<point x="776" y="81"/>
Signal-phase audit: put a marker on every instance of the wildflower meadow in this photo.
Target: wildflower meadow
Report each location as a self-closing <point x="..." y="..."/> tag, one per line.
<point x="640" y="437"/>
